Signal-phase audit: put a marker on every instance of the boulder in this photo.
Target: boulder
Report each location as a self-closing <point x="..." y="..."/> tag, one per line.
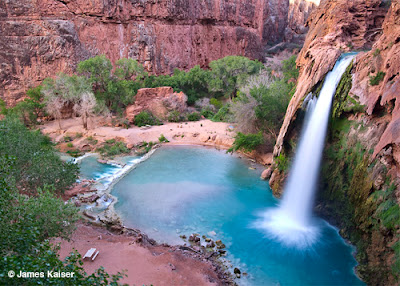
<point x="266" y="174"/>
<point x="159" y="101"/>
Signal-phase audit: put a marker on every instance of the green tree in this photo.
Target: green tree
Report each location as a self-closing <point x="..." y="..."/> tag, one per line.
<point x="98" y="70"/>
<point x="29" y="109"/>
<point x="289" y="68"/>
<point x="36" y="164"/>
<point x="27" y="224"/>
<point x="128" y="68"/>
<point x="273" y="101"/>
<point x="228" y="73"/>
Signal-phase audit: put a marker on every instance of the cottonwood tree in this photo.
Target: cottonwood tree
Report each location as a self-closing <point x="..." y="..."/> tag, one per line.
<point x="64" y="91"/>
<point x="54" y="106"/>
<point x="86" y="107"/>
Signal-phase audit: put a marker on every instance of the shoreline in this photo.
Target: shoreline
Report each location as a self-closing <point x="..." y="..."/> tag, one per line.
<point x="204" y="133"/>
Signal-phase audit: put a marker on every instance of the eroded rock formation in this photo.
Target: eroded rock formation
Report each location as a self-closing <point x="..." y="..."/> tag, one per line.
<point x="159" y="101"/>
<point x="41" y="37"/>
<point x="336" y="26"/>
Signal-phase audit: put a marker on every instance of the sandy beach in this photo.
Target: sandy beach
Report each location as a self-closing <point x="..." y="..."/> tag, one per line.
<point x="144" y="265"/>
<point x="203" y="132"/>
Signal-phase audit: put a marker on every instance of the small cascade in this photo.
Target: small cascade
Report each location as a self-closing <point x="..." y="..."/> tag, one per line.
<point x="291" y="222"/>
<point x="79" y="159"/>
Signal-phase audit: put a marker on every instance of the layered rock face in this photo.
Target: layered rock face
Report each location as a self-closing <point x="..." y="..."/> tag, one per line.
<point x="336" y="26"/>
<point x="41" y="37"/>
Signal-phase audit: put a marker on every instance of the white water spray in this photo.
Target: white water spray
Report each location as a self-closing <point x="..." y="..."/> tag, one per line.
<point x="291" y="223"/>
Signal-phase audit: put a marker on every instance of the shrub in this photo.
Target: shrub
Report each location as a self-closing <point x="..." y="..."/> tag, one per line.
<point x="217" y="103"/>
<point x="175" y="116"/>
<point x="112" y="148"/>
<point x="282" y="162"/>
<point x="207" y="113"/>
<point x="223" y="115"/>
<point x="195" y="116"/>
<point x="146" y="118"/>
<point x="375" y="80"/>
<point x="247" y="142"/>
<point x="162" y="139"/>
<point x="70" y="145"/>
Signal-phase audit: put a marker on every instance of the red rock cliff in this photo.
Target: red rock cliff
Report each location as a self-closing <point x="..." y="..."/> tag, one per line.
<point x="336" y="26"/>
<point x="41" y="37"/>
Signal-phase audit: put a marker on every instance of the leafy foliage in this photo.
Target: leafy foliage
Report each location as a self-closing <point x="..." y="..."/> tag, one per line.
<point x="36" y="164"/>
<point x="247" y="142"/>
<point x="113" y="148"/>
<point x="162" y="139"/>
<point x="194" y="116"/>
<point x="228" y="73"/>
<point x="175" y="116"/>
<point x="29" y="109"/>
<point x="27" y="223"/>
<point x="289" y="69"/>
<point x="146" y="118"/>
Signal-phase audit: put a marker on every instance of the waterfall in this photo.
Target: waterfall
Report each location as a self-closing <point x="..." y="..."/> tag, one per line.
<point x="291" y="222"/>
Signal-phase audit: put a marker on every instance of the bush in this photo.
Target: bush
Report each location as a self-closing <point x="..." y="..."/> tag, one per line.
<point x="195" y="116"/>
<point x="282" y="162"/>
<point x="375" y="80"/>
<point x="162" y="139"/>
<point x="146" y="118"/>
<point x="217" y="103"/>
<point x="247" y="142"/>
<point x="70" y="145"/>
<point x="112" y="148"/>
<point x="223" y="115"/>
<point x="175" y="116"/>
<point x="207" y="113"/>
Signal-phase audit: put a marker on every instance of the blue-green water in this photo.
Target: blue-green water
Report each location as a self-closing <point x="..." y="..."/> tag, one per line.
<point x="181" y="190"/>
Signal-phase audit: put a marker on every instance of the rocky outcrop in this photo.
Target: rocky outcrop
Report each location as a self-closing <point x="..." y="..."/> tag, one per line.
<point x="41" y="37"/>
<point x="384" y="58"/>
<point x="299" y="11"/>
<point x="159" y="101"/>
<point x="336" y="26"/>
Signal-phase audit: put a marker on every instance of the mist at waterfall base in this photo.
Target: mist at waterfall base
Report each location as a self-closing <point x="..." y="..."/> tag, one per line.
<point x="292" y="222"/>
<point x="184" y="190"/>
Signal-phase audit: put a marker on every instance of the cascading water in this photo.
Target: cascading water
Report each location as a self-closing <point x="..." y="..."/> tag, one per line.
<point x="291" y="223"/>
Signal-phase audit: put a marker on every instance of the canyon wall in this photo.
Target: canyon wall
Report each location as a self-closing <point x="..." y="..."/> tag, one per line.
<point x="41" y="37"/>
<point x="336" y="26"/>
<point x="359" y="189"/>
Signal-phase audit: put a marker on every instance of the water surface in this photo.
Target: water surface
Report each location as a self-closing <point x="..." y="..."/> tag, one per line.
<point x="181" y="190"/>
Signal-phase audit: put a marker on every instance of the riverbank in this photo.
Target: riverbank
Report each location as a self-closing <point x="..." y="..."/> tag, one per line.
<point x="203" y="132"/>
<point x="145" y="262"/>
<point x="121" y="248"/>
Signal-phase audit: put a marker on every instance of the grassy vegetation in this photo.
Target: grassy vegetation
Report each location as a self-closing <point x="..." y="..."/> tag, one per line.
<point x="112" y="148"/>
